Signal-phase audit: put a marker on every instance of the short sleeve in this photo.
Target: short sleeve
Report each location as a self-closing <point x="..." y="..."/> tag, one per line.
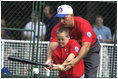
<point x="27" y="27"/>
<point x="75" y="47"/>
<point x="87" y="32"/>
<point x="43" y="29"/>
<point x="109" y="34"/>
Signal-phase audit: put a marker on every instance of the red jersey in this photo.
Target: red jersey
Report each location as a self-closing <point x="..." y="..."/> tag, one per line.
<point x="61" y="53"/>
<point x="82" y="31"/>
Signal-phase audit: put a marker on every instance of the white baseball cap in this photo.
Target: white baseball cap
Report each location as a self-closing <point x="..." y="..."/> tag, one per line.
<point x="64" y="10"/>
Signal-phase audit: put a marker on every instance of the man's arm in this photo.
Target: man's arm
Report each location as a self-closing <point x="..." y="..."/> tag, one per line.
<point x="106" y="40"/>
<point x="26" y="37"/>
<point x="82" y="53"/>
<point x="61" y="67"/>
<point x="51" y="48"/>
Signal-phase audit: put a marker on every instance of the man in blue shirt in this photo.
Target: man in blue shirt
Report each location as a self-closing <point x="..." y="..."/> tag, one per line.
<point x="103" y="33"/>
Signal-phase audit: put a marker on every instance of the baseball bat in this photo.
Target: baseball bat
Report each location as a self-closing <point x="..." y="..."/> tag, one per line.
<point x="13" y="58"/>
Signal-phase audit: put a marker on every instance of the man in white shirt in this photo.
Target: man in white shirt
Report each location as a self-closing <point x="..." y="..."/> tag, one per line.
<point x="32" y="25"/>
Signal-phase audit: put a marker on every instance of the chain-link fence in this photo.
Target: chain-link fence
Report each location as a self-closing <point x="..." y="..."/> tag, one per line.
<point x="19" y="14"/>
<point x="23" y="49"/>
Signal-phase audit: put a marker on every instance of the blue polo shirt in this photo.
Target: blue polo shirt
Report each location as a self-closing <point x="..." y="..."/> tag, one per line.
<point x="102" y="32"/>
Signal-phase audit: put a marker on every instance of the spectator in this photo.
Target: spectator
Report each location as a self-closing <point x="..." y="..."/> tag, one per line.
<point x="28" y="35"/>
<point x="65" y="52"/>
<point x="103" y="32"/>
<point x="4" y="34"/>
<point x="50" y="20"/>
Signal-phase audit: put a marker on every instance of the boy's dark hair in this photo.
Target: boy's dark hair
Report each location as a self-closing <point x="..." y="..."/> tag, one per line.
<point x="63" y="29"/>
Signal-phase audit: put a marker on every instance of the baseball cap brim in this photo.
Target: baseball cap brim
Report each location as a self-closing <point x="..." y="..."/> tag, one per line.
<point x="61" y="15"/>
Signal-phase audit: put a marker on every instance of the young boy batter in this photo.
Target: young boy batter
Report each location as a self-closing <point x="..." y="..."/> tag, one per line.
<point x="66" y="51"/>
